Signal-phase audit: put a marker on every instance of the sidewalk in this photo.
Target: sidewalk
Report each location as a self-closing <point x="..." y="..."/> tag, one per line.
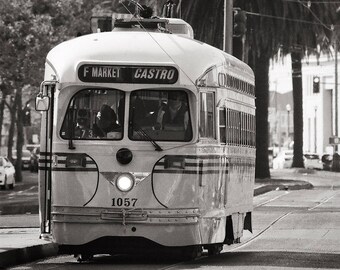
<point x="22" y="245"/>
<point x="286" y="179"/>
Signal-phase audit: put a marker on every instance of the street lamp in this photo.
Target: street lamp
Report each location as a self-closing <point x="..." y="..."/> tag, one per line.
<point x="315" y="130"/>
<point x="288" y="108"/>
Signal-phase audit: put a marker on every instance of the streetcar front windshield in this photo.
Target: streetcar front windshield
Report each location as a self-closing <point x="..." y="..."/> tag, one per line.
<point x="159" y="115"/>
<point x="95" y="114"/>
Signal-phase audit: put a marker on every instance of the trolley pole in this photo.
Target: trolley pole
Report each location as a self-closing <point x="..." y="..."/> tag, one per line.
<point x="228" y="27"/>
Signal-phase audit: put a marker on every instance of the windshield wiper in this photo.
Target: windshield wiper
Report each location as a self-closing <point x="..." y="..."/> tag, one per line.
<point x="143" y="133"/>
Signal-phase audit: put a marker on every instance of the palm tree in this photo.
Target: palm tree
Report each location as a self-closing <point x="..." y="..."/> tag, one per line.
<point x="273" y="27"/>
<point x="295" y="27"/>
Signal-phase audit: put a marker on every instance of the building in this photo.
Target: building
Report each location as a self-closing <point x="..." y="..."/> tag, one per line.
<point x="281" y="124"/>
<point x="319" y="106"/>
<point x="319" y="110"/>
<point x="281" y="131"/>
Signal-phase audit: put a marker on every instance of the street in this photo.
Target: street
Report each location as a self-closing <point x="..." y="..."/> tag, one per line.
<point x="292" y="229"/>
<point x="23" y="198"/>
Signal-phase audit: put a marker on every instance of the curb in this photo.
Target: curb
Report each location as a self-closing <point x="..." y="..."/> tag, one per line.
<point x="18" y="256"/>
<point x="284" y="185"/>
<point x="19" y="209"/>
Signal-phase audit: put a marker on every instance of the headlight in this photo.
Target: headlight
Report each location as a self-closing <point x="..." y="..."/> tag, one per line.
<point x="125" y="182"/>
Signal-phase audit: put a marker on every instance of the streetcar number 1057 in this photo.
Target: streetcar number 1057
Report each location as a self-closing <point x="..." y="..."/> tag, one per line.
<point x="126" y="202"/>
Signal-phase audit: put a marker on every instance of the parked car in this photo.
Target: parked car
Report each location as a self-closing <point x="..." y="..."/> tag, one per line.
<point x="25" y="159"/>
<point x="31" y="147"/>
<point x="34" y="160"/>
<point x="284" y="159"/>
<point x="312" y="161"/>
<point x="327" y="160"/>
<point x="7" y="174"/>
<point x="270" y="157"/>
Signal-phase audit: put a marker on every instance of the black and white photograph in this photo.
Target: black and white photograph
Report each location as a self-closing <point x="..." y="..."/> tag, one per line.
<point x="169" y="134"/>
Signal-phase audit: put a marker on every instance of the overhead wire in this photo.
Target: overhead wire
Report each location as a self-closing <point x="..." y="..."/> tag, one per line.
<point x="172" y="59"/>
<point x="280" y="18"/>
<point x="306" y="4"/>
<point x="288" y="19"/>
<point x="314" y="15"/>
<point x="314" y="2"/>
<point x="160" y="46"/>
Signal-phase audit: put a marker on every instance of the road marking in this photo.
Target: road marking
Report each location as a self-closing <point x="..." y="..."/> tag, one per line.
<point x="323" y="202"/>
<point x="277" y="197"/>
<point x="15" y="193"/>
<point x="261" y="232"/>
<point x="278" y="219"/>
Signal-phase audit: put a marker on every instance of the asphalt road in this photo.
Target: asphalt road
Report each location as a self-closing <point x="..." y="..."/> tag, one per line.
<point x="292" y="229"/>
<point x="23" y="199"/>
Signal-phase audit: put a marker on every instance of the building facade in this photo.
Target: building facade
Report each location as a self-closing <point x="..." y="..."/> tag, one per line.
<point x="320" y="112"/>
<point x="281" y="129"/>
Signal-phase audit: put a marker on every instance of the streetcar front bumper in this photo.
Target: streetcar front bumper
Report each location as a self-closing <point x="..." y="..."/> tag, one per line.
<point x="63" y="214"/>
<point x="167" y="227"/>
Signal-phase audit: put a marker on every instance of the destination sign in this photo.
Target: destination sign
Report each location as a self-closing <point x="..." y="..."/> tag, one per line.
<point x="128" y="74"/>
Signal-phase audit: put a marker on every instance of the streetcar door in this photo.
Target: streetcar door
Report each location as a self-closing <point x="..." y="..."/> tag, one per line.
<point x="44" y="104"/>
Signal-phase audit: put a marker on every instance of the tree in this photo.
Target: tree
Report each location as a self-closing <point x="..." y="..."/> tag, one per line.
<point x="272" y="27"/>
<point x="28" y="30"/>
<point x="284" y="26"/>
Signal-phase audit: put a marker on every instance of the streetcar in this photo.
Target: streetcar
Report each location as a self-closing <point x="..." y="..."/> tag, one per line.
<point x="147" y="143"/>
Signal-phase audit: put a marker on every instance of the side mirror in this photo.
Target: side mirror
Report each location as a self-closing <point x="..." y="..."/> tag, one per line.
<point x="42" y="103"/>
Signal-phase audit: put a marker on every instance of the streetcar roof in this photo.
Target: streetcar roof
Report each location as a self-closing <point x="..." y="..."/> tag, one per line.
<point x="192" y="58"/>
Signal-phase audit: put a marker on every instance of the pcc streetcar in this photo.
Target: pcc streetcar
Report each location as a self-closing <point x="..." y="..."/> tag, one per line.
<point x="147" y="141"/>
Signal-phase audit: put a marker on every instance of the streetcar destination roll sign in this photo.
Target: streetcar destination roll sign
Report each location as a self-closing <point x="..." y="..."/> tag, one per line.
<point x="128" y="74"/>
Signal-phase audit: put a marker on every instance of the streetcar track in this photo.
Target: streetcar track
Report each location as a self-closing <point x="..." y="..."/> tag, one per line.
<point x="261" y="232"/>
<point x="255" y="237"/>
<point x="279" y="218"/>
<point x="323" y="202"/>
<point x="273" y="199"/>
<point x="249" y="240"/>
<point x="242" y="244"/>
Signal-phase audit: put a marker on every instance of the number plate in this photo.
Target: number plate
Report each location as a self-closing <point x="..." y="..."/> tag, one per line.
<point x="124" y="202"/>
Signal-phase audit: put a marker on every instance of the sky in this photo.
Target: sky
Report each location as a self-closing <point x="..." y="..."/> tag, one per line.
<point x="280" y="75"/>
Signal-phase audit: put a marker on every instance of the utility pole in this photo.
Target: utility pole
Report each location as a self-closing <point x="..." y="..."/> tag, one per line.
<point x="288" y="108"/>
<point x="336" y="88"/>
<point x="336" y="157"/>
<point x="228" y="27"/>
<point x="315" y="129"/>
<point x="336" y="101"/>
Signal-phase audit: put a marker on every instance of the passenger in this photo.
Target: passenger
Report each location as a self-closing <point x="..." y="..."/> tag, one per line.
<point x="121" y="111"/>
<point x="82" y="129"/>
<point x="138" y="111"/>
<point x="107" y="124"/>
<point x="174" y="116"/>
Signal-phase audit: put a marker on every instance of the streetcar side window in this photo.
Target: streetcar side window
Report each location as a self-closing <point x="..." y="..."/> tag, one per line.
<point x="159" y="115"/>
<point x="94" y="114"/>
<point x="207" y="117"/>
<point x="222" y="124"/>
<point x="240" y="128"/>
